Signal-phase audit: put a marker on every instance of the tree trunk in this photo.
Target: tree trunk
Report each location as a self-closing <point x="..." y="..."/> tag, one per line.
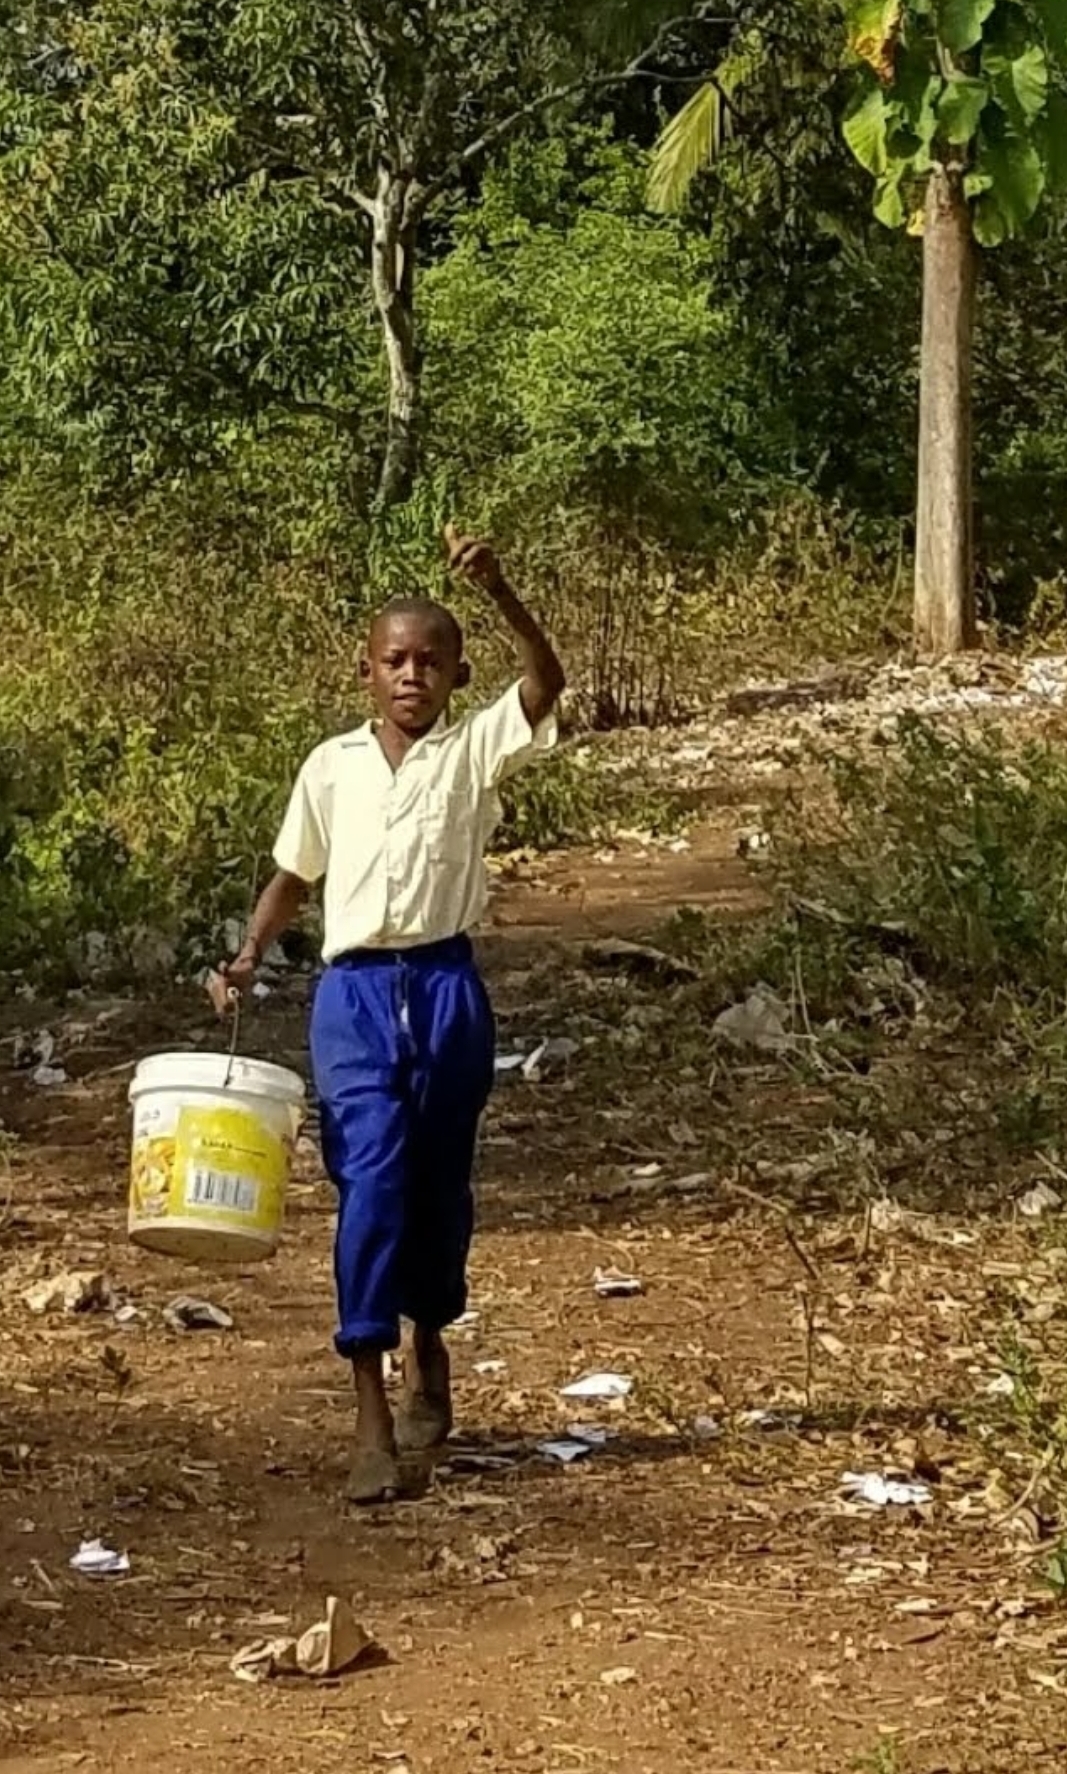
<point x="944" y="543"/>
<point x="393" y="247"/>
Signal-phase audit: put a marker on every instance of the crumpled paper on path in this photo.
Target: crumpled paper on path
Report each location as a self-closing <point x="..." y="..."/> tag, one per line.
<point x="187" y="1314"/>
<point x="94" y="1559"/>
<point x="759" y="1022"/>
<point x="328" y="1648"/>
<point x="880" y="1491"/>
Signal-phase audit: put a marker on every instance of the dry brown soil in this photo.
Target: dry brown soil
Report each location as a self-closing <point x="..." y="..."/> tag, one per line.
<point x="669" y="1603"/>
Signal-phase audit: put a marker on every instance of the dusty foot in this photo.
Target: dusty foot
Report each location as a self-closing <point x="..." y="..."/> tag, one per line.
<point x="375" y="1475"/>
<point x="424" y="1420"/>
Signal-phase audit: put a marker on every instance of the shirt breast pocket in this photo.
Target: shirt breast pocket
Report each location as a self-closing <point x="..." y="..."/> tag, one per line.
<point x="447" y="822"/>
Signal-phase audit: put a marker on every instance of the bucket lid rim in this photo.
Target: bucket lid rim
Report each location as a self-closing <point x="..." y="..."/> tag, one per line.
<point x="248" y="1074"/>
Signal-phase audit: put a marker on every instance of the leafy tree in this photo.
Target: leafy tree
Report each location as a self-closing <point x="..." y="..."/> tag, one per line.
<point x="960" y="116"/>
<point x="597" y="376"/>
<point x="962" y="123"/>
<point x="205" y="201"/>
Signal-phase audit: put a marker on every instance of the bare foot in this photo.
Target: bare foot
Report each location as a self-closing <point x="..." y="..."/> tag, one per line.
<point x="375" y="1476"/>
<point x="425" y="1417"/>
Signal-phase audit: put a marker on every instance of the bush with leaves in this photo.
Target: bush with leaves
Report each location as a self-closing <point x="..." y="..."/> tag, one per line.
<point x="577" y="362"/>
<point x="951" y="849"/>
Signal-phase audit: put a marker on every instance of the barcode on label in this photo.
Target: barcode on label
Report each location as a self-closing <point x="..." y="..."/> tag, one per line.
<point x="221" y="1189"/>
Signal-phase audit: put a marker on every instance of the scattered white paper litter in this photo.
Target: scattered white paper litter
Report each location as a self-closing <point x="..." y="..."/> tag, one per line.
<point x="1038" y="1200"/>
<point x="94" y="1559"/>
<point x="488" y="1368"/>
<point x="770" y="1420"/>
<point x="880" y="1492"/>
<point x="76" y="1290"/>
<point x="758" y="1022"/>
<point x="509" y="1062"/>
<point x="548" y="1056"/>
<point x="1002" y="1387"/>
<point x="329" y="1648"/>
<point x="614" y="1284"/>
<point x="600" y="1386"/>
<point x="594" y="1435"/>
<point x="707" y="1428"/>
<point x="48" y="1077"/>
<point x="564" y="1450"/>
<point x="187" y="1314"/>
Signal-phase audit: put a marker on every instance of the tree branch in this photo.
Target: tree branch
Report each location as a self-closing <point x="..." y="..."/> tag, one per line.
<point x="377" y="81"/>
<point x="637" y="69"/>
<point x="352" y="201"/>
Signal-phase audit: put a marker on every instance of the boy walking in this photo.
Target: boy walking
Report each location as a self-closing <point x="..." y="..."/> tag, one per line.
<point x="395" y="818"/>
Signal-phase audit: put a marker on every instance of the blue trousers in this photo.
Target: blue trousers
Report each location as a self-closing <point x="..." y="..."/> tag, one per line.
<point x="402" y="1049"/>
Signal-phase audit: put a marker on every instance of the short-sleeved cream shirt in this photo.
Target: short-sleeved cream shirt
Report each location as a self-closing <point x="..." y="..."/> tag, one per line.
<point x="402" y="852"/>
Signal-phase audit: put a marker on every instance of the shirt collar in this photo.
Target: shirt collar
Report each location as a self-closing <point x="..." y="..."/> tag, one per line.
<point x="365" y="734"/>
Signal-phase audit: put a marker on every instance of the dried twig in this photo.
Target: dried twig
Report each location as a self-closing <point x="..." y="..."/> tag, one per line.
<point x="784" y="1213"/>
<point x="809" y="1295"/>
<point x="1036" y="1476"/>
<point x="809" y="1304"/>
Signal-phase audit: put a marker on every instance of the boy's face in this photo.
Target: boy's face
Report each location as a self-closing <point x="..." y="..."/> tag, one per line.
<point x="413" y="665"/>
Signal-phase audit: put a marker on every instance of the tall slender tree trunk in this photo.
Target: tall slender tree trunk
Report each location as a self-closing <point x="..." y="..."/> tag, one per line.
<point x="393" y="246"/>
<point x="944" y="552"/>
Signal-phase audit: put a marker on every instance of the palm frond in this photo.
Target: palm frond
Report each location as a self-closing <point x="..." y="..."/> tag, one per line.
<point x="691" y="141"/>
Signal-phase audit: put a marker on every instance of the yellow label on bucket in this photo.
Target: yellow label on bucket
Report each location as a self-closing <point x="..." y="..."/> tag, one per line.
<point x="150" y="1181"/>
<point x="228" y="1170"/>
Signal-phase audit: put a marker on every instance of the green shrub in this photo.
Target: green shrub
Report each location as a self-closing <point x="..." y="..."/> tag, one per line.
<point x="952" y="848"/>
<point x="573" y="798"/>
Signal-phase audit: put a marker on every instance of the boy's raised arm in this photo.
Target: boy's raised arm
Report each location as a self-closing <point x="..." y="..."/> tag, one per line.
<point x="543" y="677"/>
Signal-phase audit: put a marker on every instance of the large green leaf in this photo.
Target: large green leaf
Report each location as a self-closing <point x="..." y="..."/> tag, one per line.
<point x="959" y="108"/>
<point x="864" y="130"/>
<point x="888" y="202"/>
<point x="988" y="221"/>
<point x="873" y="28"/>
<point x="959" y="22"/>
<point x="1018" y="180"/>
<point x="917" y="89"/>
<point x="689" y="143"/>
<point x="1020" y="83"/>
<point x="1029" y="74"/>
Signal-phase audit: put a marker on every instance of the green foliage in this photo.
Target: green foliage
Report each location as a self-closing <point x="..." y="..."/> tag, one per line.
<point x="768" y="49"/>
<point x="596" y="373"/>
<point x="884" y="1758"/>
<point x="694" y="137"/>
<point x="972" y="85"/>
<point x="1056" y="1570"/>
<point x="155" y="694"/>
<point x="690" y="141"/>
<point x="574" y="797"/>
<point x="184" y="196"/>
<point x="957" y="849"/>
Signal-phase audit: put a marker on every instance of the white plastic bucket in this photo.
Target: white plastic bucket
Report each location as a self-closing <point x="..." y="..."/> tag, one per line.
<point x="212" y="1147"/>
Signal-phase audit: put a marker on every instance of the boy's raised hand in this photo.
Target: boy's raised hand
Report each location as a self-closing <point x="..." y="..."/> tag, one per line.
<point x="475" y="560"/>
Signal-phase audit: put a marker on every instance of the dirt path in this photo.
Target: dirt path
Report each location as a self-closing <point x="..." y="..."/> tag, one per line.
<point x="673" y="1601"/>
